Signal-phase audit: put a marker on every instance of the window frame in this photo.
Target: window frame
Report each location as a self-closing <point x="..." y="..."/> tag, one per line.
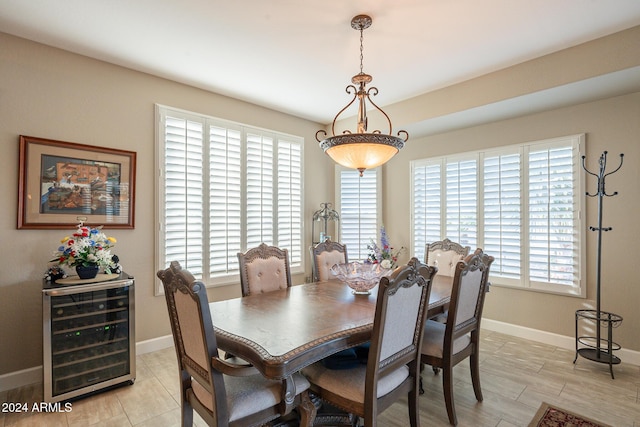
<point x="577" y="144"/>
<point x="231" y="276"/>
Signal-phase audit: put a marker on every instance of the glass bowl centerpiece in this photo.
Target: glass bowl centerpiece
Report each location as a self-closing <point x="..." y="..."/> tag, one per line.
<point x="361" y="277"/>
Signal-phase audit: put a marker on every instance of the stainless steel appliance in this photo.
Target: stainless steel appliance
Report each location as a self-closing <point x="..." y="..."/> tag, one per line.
<point x="89" y="336"/>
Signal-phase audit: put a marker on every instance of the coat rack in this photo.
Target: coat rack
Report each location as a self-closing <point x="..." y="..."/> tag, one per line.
<point x="593" y="346"/>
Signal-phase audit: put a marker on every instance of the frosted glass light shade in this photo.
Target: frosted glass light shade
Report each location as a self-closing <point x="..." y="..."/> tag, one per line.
<point x="363" y="150"/>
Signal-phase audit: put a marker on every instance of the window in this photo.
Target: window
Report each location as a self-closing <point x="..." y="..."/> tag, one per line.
<point x="225" y="188"/>
<point x="521" y="203"/>
<point x="359" y="209"/>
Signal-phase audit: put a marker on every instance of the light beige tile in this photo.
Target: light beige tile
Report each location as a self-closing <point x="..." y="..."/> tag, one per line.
<point x="170" y="418"/>
<point x="170" y="381"/>
<point x="99" y="408"/>
<point x="142" y="370"/>
<point x="161" y="359"/>
<point x="145" y="400"/>
<point x="26" y="397"/>
<point x="49" y="419"/>
<point x="120" y="420"/>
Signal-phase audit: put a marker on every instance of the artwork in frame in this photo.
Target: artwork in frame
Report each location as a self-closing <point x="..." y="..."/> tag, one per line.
<point x="62" y="184"/>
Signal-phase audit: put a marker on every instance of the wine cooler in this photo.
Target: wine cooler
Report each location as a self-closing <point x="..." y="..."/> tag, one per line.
<point x="89" y="336"/>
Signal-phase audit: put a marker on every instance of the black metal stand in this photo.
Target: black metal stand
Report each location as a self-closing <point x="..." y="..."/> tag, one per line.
<point x="593" y="349"/>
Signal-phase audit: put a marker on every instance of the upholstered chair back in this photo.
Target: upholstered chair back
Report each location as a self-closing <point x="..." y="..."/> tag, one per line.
<point x="468" y="296"/>
<point x="264" y="269"/>
<point x="468" y="292"/>
<point x="193" y="335"/>
<point x="444" y="255"/>
<point x="401" y="309"/>
<point x="325" y="255"/>
<point x="405" y="299"/>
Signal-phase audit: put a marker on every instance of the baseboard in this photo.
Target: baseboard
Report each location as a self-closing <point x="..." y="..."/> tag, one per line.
<point x="20" y="378"/>
<point x="154" y="344"/>
<point x="627" y="356"/>
<point x="34" y="375"/>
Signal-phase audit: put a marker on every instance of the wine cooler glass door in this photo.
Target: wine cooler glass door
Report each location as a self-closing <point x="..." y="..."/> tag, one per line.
<point x="90" y="340"/>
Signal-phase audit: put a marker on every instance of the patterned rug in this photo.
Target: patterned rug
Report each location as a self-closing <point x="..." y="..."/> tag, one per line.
<point x="551" y="416"/>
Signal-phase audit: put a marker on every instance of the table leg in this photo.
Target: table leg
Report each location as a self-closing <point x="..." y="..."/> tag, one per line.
<point x="307" y="410"/>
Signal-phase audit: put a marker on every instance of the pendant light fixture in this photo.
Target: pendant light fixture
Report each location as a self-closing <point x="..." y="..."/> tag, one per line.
<point x="361" y="150"/>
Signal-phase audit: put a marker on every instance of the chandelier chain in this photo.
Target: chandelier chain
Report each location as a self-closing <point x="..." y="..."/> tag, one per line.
<point x="361" y="49"/>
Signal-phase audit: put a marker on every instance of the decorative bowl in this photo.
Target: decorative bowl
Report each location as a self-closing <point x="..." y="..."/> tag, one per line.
<point x="361" y="277"/>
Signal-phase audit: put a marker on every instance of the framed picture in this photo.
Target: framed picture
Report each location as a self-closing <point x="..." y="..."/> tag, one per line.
<point x="62" y="184"/>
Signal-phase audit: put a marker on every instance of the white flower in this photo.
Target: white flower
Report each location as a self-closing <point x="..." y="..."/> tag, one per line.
<point x="386" y="263"/>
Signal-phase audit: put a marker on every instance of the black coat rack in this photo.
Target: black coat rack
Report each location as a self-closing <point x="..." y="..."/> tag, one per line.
<point x="593" y="349"/>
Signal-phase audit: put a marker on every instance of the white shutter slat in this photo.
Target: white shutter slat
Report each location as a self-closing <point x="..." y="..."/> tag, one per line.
<point x="260" y="190"/>
<point x="225" y="200"/>
<point x="358" y="211"/>
<point x="461" y="202"/>
<point x="290" y="200"/>
<point x="426" y="208"/>
<point x="551" y="220"/>
<point x="502" y="214"/>
<point x="183" y="196"/>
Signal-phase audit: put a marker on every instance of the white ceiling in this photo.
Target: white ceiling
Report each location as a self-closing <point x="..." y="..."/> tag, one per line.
<point x="297" y="56"/>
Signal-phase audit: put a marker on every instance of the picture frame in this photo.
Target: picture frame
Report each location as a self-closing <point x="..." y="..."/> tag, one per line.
<point x="62" y="184"/>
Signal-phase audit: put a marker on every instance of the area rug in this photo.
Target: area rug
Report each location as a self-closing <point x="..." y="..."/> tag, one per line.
<point x="552" y="416"/>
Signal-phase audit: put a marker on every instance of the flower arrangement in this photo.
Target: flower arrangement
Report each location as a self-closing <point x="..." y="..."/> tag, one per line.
<point x="86" y="247"/>
<point x="384" y="253"/>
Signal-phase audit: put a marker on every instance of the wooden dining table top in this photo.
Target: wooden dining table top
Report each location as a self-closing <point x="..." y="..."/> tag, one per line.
<point x="281" y="332"/>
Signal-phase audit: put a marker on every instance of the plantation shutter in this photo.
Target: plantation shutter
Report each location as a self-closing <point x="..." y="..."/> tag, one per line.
<point x="527" y="214"/>
<point x="290" y="199"/>
<point x="502" y="213"/>
<point x="426" y="206"/>
<point x="183" y="218"/>
<point x="225" y="188"/>
<point x="358" y="210"/>
<point x="260" y="190"/>
<point x="461" y="186"/>
<point x="225" y="200"/>
<point x="552" y="229"/>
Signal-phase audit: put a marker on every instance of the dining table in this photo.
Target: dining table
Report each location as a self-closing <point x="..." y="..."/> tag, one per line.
<point x="280" y="332"/>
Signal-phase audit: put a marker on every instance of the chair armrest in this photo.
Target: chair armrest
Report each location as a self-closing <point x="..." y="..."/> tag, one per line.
<point x="233" y="369"/>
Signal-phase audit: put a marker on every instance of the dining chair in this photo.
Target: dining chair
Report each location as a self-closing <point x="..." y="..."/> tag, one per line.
<point x="392" y="368"/>
<point x="447" y="344"/>
<point x="445" y="254"/>
<point x="325" y="255"/>
<point x="264" y="269"/>
<point x="222" y="393"/>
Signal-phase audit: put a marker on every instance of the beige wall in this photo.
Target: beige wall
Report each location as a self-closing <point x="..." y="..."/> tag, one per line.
<point x="612" y="124"/>
<point x="50" y="93"/>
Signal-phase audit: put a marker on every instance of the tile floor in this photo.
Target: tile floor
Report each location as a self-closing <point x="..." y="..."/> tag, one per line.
<point x="516" y="374"/>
